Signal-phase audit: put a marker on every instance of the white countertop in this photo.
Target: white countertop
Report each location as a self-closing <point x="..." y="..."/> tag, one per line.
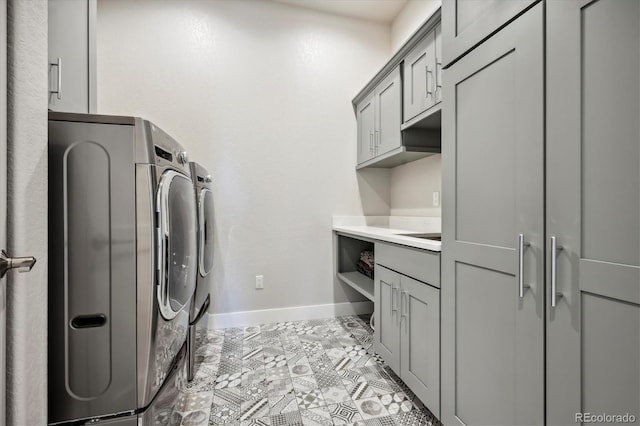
<point x="391" y="235"/>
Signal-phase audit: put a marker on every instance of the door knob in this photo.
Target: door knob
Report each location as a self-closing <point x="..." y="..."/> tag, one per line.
<point x="22" y="264"/>
<point x="183" y="158"/>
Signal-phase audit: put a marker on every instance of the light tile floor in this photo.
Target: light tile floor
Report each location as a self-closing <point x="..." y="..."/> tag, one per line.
<point x="319" y="372"/>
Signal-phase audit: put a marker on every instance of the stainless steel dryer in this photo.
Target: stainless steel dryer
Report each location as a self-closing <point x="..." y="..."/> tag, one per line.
<point x="122" y="271"/>
<point x="202" y="298"/>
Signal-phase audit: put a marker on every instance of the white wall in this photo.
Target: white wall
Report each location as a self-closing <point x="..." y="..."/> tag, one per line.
<point x="409" y="19"/>
<point x="260" y="93"/>
<point x="412" y="187"/>
<point x="27" y="211"/>
<point x="412" y="184"/>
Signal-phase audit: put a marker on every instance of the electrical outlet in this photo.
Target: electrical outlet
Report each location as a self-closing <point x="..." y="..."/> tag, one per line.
<point x="436" y="199"/>
<point x="259" y="282"/>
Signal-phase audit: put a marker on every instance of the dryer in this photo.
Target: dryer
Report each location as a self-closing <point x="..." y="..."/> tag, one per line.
<point x="123" y="265"/>
<point x="202" y="185"/>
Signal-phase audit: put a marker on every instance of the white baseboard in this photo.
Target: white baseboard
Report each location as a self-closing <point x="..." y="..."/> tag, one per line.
<point x="300" y="313"/>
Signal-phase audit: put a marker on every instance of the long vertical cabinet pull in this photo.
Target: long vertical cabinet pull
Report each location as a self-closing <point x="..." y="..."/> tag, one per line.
<point x="521" y="247"/>
<point x="439" y="80"/>
<point x="428" y="73"/>
<point x="58" y="91"/>
<point x="408" y="314"/>
<point x="376" y="140"/>
<point x="404" y="314"/>
<point x="394" y="306"/>
<point x="371" y="142"/>
<point x="555" y="248"/>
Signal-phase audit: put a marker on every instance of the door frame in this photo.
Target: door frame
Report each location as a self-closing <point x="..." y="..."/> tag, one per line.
<point x="3" y="204"/>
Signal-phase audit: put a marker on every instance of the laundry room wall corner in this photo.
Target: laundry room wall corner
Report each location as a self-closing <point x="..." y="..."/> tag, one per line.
<point x="27" y="211"/>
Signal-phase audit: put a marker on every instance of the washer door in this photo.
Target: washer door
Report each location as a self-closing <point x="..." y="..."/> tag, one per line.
<point x="177" y="249"/>
<point x="205" y="207"/>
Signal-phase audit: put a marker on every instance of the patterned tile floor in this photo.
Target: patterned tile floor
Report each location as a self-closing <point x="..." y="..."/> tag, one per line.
<point x="319" y="372"/>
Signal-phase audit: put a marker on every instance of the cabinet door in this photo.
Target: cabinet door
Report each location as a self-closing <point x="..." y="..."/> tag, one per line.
<point x="72" y="73"/>
<point x="419" y="78"/>
<point x="468" y="22"/>
<point x="386" y="315"/>
<point x="439" y="61"/>
<point x="593" y="208"/>
<point x="492" y="153"/>
<point x="366" y="126"/>
<point x="388" y="113"/>
<point x="420" y="336"/>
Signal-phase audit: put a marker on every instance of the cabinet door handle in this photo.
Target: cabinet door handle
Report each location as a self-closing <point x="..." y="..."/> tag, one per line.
<point x="555" y="248"/>
<point x="521" y="246"/>
<point x="377" y="137"/>
<point x="405" y="313"/>
<point x="371" y="142"/>
<point x="394" y="290"/>
<point x="428" y="73"/>
<point x="58" y="91"/>
<point x="438" y="80"/>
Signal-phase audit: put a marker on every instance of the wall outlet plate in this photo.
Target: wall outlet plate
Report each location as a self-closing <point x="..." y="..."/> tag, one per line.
<point x="436" y="199"/>
<point x="259" y="282"/>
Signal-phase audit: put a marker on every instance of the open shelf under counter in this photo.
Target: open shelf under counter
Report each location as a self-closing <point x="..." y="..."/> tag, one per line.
<point x="360" y="282"/>
<point x="349" y="249"/>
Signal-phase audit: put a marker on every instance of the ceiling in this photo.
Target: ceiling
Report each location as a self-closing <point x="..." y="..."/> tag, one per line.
<point x="372" y="10"/>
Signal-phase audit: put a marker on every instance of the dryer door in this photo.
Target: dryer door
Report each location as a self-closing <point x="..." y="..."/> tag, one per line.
<point x="205" y="206"/>
<point x="177" y="249"/>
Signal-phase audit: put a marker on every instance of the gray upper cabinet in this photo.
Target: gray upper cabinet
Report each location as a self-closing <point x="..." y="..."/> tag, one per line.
<point x="393" y="138"/>
<point x="419" y="77"/>
<point x="593" y="209"/>
<point x="468" y="22"/>
<point x="366" y="127"/>
<point x="493" y="279"/>
<point x="72" y="50"/>
<point x="439" y="61"/>
<point x="379" y="119"/>
<point x="388" y="113"/>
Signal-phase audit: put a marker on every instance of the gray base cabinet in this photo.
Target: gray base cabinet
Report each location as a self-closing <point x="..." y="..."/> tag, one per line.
<point x="420" y="340"/>
<point x="72" y="55"/>
<point x="387" y="316"/>
<point x="593" y="209"/>
<point x="407" y="324"/>
<point x="492" y="297"/>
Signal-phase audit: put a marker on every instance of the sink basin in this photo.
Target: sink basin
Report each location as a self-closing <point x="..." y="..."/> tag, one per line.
<point x="434" y="237"/>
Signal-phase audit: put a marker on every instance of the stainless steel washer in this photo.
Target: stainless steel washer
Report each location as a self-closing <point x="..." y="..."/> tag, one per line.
<point x="202" y="184"/>
<point x="123" y="265"/>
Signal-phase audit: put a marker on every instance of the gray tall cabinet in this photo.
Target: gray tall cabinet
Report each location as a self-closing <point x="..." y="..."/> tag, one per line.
<point x="492" y="153"/>
<point x="593" y="208"/>
<point x="540" y="288"/>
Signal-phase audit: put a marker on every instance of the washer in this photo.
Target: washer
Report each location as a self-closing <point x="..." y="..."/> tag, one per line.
<point x="123" y="265"/>
<point x="202" y="184"/>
